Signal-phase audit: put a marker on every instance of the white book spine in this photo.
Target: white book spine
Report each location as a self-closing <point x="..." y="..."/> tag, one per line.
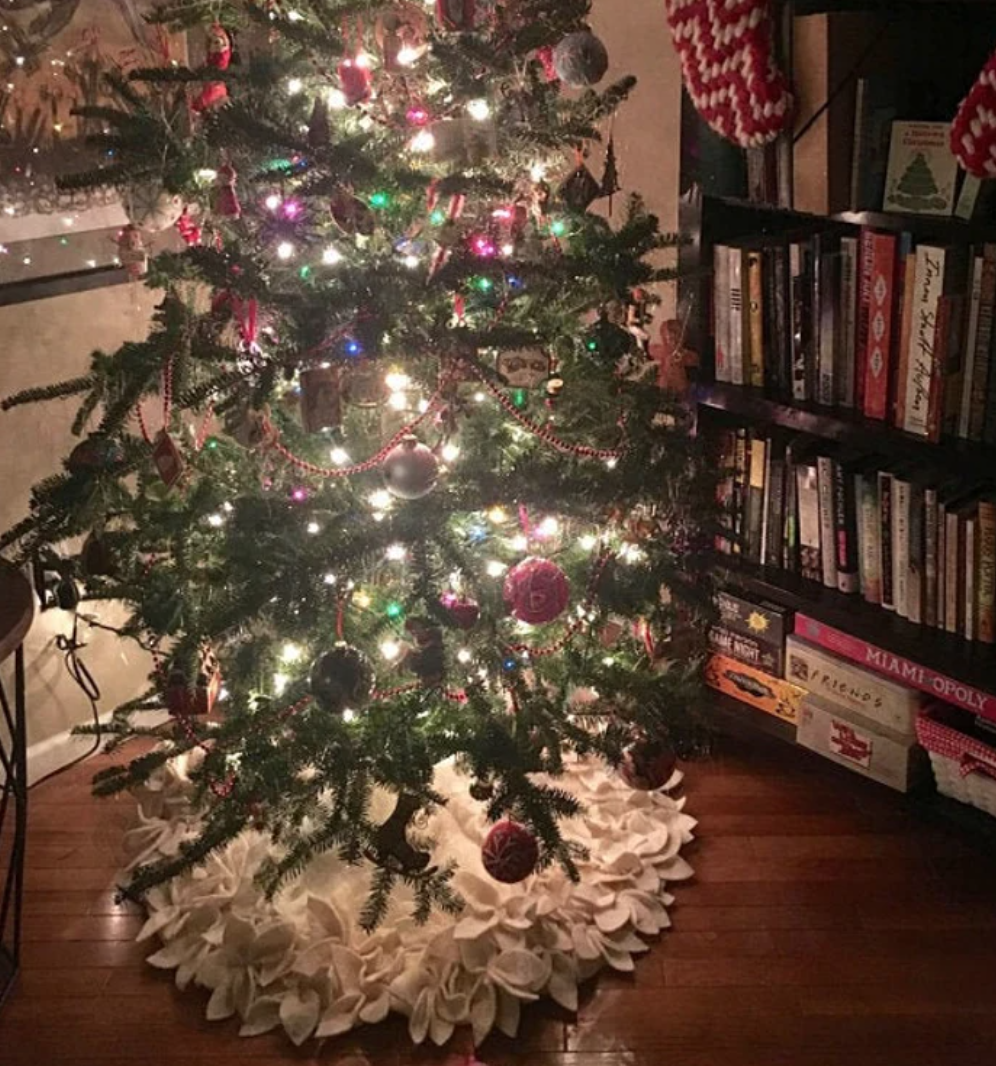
<point x="951" y="572"/>
<point x="971" y="335"/>
<point x="969" y="621"/>
<point x="828" y="527"/>
<point x="927" y="290"/>
<point x="736" y="357"/>
<point x="901" y="545"/>
<point x="721" y="310"/>
<point x="930" y="543"/>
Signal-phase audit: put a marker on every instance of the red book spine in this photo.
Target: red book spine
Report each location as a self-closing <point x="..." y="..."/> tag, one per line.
<point x="935" y="405"/>
<point x="880" y="316"/>
<point x="886" y="662"/>
<point x="866" y="259"/>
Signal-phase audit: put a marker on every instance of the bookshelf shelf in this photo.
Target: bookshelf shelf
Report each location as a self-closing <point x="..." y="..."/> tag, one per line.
<point x="840" y="425"/>
<point x="926" y="227"/>
<point x="946" y="653"/>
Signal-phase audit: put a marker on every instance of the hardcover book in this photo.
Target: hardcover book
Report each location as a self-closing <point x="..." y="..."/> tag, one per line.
<point x="920" y="373"/>
<point x="877" y="311"/>
<point x="922" y="171"/>
<point x="721" y="310"/>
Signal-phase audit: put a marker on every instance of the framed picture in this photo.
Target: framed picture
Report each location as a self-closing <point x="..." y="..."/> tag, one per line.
<point x="53" y="55"/>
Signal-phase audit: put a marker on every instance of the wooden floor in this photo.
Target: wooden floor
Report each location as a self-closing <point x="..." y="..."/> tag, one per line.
<point x="827" y="924"/>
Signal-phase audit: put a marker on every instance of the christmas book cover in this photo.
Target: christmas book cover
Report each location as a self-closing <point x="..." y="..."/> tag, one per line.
<point x="922" y="172"/>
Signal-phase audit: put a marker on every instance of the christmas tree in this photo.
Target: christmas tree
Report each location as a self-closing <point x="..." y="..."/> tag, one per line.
<point x="389" y="482"/>
<point x="917" y="190"/>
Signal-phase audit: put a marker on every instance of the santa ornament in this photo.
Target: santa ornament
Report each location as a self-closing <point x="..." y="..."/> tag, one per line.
<point x="217" y="56"/>
<point x="973" y="132"/>
<point x="132" y="252"/>
<point x="728" y="66"/>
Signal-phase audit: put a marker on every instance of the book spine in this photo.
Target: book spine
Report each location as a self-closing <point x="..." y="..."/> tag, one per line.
<point x="780" y="321"/>
<point x="776" y="512"/>
<point x="828" y="289"/>
<point x="740" y="460"/>
<point x="971" y="336"/>
<point x="900" y="545"/>
<point x="724" y="489"/>
<point x="859" y="148"/>
<point x="969" y="563"/>
<point x="930" y="557"/>
<point x="807" y="493"/>
<point x="954" y="364"/>
<point x="737" y="316"/>
<point x="939" y="375"/>
<point x="891" y="665"/>
<point x="866" y="270"/>
<point x="747" y="649"/>
<point x="790" y="530"/>
<point x="766" y="500"/>
<point x="942" y="572"/>
<point x="921" y="367"/>
<point x="951" y="540"/>
<point x="755" y="498"/>
<point x="885" y="487"/>
<point x="828" y="525"/>
<point x="902" y="351"/>
<point x="755" y="324"/>
<point x="802" y="328"/>
<point x="878" y="329"/>
<point x="983" y="340"/>
<point x="847" y="333"/>
<point x="989" y="419"/>
<point x="986" y="623"/>
<point x="870" y="532"/>
<point x="968" y="197"/>
<point x="916" y="552"/>
<point x="721" y="310"/>
<point x="845" y="529"/>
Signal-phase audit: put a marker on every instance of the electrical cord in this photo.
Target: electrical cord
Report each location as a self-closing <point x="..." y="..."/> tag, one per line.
<point x="79" y="672"/>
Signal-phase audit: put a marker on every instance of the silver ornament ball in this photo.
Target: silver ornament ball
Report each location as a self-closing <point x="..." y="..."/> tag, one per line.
<point x="410" y="470"/>
<point x="580" y="59"/>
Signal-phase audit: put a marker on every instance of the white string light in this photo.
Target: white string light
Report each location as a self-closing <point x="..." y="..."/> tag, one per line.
<point x="390" y="650"/>
<point x="395" y="552"/>
<point x="340" y="457"/>
<point x="285" y="250"/>
<point x="294" y="86"/>
<point x="313" y="528"/>
<point x="478" y="110"/>
<point x="331" y="256"/>
<point x="495" y="568"/>
<point x="280" y="683"/>
<point x="395" y="380"/>
<point x="291" y="653"/>
<point x="450" y="453"/>
<point x="423" y="141"/>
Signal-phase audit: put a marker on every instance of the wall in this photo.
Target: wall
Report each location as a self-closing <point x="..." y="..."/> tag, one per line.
<point x="47" y="341"/>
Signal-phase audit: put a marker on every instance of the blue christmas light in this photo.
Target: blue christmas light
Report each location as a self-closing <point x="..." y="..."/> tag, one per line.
<point x="510" y="664"/>
<point x="353" y="347"/>
<point x="515" y="282"/>
<point x="477" y="533"/>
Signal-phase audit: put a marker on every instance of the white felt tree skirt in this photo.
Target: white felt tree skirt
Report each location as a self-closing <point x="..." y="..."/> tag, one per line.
<point x="302" y="962"/>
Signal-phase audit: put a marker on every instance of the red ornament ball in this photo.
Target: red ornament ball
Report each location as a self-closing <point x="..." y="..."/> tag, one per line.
<point x="95" y="454"/>
<point x="509" y="852"/>
<point x="648" y="765"/>
<point x="536" y="591"/>
<point x="410" y="470"/>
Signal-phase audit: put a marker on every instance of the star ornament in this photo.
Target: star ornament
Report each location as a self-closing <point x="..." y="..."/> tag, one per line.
<point x="756" y="622"/>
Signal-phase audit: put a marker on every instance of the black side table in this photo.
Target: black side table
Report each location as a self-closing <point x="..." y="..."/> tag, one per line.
<point x="17" y="608"/>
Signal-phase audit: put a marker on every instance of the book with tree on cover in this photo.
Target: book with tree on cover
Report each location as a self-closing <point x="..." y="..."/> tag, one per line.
<point x="922" y="172"/>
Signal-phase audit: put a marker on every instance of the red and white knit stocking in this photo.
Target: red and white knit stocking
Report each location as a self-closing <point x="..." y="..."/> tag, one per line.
<point x="729" y="69"/>
<point x="973" y="132"/>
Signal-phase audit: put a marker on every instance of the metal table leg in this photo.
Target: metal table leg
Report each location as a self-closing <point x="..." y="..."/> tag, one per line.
<point x="13" y="823"/>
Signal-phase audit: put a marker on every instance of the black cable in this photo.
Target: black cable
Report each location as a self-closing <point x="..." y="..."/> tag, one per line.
<point x="79" y="672"/>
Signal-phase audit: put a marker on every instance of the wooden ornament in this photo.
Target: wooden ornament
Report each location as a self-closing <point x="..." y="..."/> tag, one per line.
<point x="167" y="459"/>
<point x="363" y="384"/>
<point x="321" y="399"/>
<point x="351" y="214"/>
<point x="579" y="190"/>
<point x="523" y="368"/>
<point x="132" y="252"/>
<point x="464" y="141"/>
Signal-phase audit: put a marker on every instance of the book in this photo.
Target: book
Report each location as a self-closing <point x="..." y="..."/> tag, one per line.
<point x="972" y="427"/>
<point x="901" y="351"/>
<point x="774" y="505"/>
<point x="750" y="685"/>
<point x="879" y="309"/>
<point x="790" y="529"/>
<point x="890" y="664"/>
<point x="754" y="347"/>
<point x="828" y="524"/>
<point x="874" y="112"/>
<point x="754" y="616"/>
<point x="968" y="550"/>
<point x="779" y="333"/>
<point x="885" y="487"/>
<point x="922" y="170"/>
<point x="826" y="286"/>
<point x="916" y="552"/>
<point x="721" y="310"/>
<point x="758" y="447"/>
<point x="808" y="503"/>
<point x="920" y="369"/>
<point x="740" y="468"/>
<point x="847" y="312"/>
<point x="726" y="458"/>
<point x="945" y="384"/>
<point x="841" y="682"/>
<point x="845" y="524"/>
<point x="957" y="426"/>
<point x="869" y="535"/>
<point x="801" y="303"/>
<point x="986" y="533"/>
<point x="738" y="317"/>
<point x="900" y="543"/>
<point x="931" y="546"/>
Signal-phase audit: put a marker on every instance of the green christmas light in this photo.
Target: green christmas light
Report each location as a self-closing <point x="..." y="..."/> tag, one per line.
<point x="483" y="284"/>
<point x="211" y="443"/>
<point x="519" y="397"/>
<point x="380" y="200"/>
<point x="592" y="345"/>
<point x="394" y="610"/>
<point x="558" y="227"/>
<point x="63" y="241"/>
<point x="437" y="218"/>
<point x="305" y="271"/>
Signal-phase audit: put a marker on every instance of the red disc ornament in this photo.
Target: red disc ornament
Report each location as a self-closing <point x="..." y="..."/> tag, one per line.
<point x="536" y="591"/>
<point x="648" y="765"/>
<point x="509" y="852"/>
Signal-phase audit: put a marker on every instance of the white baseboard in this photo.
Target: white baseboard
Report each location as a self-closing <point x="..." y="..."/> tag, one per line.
<point x="57" y="751"/>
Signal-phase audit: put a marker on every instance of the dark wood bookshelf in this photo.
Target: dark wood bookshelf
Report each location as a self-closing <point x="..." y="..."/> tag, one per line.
<point x="837" y="424"/>
<point x="947" y="653"/>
